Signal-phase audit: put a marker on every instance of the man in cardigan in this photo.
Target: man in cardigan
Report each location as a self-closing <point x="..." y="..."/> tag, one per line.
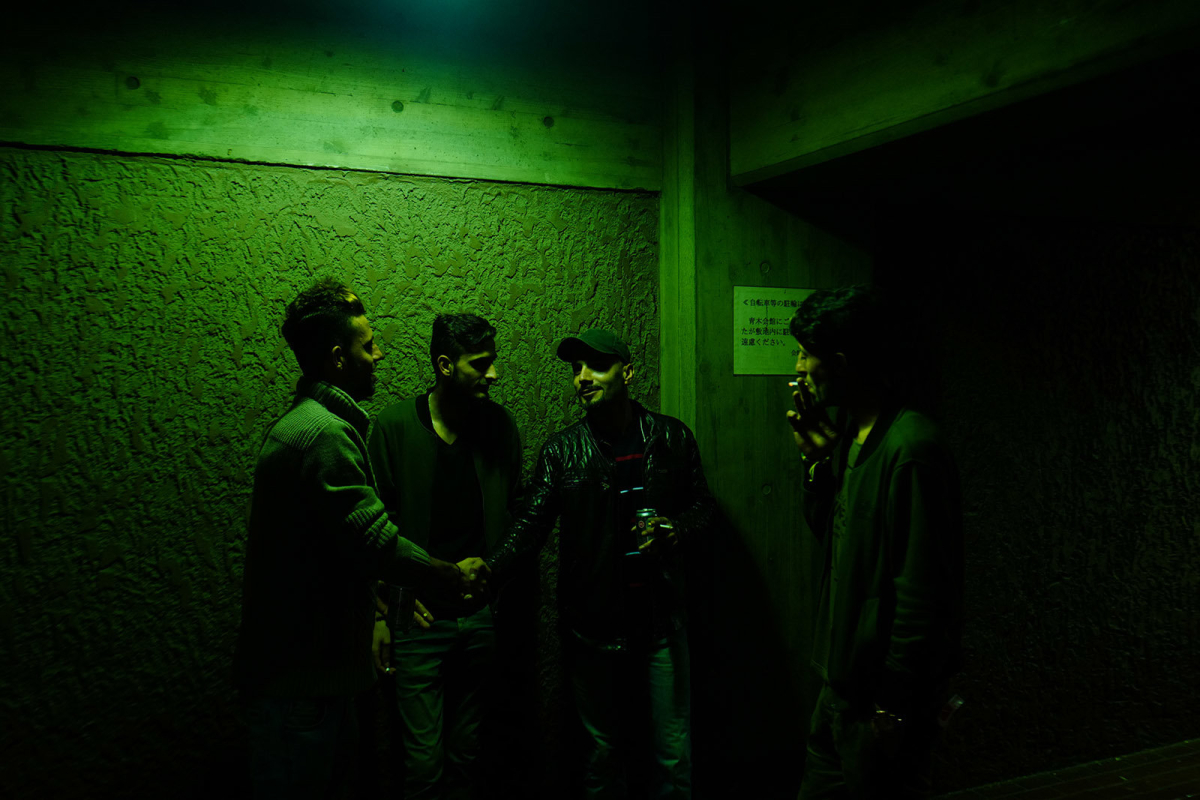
<point x="881" y="492"/>
<point x="449" y="464"/>
<point x="628" y="491"/>
<point x="319" y="539"/>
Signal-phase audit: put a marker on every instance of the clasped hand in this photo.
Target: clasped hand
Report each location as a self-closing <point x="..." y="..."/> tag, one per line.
<point x="452" y="583"/>
<point x="475" y="572"/>
<point x="465" y="582"/>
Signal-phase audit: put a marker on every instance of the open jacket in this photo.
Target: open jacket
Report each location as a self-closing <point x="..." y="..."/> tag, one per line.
<point x="574" y="483"/>
<point x="404" y="454"/>
<point x="892" y="609"/>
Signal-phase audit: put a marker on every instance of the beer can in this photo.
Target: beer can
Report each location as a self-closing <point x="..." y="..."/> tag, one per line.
<point x="641" y="519"/>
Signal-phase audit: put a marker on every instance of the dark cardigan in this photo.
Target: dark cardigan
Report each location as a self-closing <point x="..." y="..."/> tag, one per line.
<point x="892" y="615"/>
<point x="403" y="453"/>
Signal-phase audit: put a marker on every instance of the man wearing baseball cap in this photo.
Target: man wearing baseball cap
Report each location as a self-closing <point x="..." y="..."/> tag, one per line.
<point x="628" y="491"/>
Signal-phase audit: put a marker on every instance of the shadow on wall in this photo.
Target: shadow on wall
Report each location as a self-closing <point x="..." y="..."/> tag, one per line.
<point x="750" y="709"/>
<point x="1071" y="384"/>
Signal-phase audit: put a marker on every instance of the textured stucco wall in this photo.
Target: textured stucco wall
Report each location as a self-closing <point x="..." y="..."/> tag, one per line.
<point x="1071" y="382"/>
<point x="143" y="363"/>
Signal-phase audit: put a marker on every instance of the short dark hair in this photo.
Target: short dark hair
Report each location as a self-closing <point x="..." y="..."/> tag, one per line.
<point x="455" y="334"/>
<point x="321" y="317"/>
<point x="858" y="321"/>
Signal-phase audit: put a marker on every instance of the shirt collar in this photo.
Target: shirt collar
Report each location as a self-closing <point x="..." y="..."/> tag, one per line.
<point x="336" y="402"/>
<point x="641" y="418"/>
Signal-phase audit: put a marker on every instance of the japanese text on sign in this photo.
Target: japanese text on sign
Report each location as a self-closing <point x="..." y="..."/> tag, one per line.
<point x="762" y="341"/>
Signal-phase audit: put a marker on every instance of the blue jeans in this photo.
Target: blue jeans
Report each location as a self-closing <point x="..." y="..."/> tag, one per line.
<point x="596" y="675"/>
<point x="300" y="747"/>
<point x="442" y="682"/>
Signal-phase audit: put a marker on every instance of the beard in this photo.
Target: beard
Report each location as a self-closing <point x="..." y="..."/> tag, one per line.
<point x="473" y="394"/>
<point x="598" y="402"/>
<point x="365" y="389"/>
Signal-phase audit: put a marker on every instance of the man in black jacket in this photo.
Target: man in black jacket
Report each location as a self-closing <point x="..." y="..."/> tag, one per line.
<point x="627" y="487"/>
<point x="881" y="492"/>
<point x="448" y="463"/>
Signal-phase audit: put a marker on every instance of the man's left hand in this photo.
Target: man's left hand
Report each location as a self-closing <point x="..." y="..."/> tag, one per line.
<point x="659" y="535"/>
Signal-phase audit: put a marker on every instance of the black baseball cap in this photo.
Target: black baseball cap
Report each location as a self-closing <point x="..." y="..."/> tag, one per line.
<point x="597" y="340"/>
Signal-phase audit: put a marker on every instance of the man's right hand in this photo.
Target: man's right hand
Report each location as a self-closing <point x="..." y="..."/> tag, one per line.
<point x="447" y="582"/>
<point x="812" y="429"/>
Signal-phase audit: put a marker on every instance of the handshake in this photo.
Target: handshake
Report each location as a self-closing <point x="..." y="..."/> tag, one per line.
<point x="464" y="582"/>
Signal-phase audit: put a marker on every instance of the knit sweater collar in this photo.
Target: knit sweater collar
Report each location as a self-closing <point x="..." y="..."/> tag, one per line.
<point x="335" y="401"/>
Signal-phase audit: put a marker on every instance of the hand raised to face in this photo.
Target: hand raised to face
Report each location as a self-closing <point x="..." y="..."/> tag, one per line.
<point x="812" y="429"/>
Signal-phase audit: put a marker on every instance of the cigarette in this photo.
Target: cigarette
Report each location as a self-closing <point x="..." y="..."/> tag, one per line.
<point x="794" y="384"/>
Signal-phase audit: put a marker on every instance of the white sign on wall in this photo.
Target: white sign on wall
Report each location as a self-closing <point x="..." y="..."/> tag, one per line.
<point x="762" y="343"/>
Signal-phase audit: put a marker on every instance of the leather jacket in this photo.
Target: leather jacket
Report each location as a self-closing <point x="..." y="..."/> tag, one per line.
<point x="573" y="483"/>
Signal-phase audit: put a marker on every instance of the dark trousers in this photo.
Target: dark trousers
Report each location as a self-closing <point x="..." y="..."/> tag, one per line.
<point x="301" y="747"/>
<point x="848" y="760"/>
<point x="442" y="683"/>
<point x="596" y="675"/>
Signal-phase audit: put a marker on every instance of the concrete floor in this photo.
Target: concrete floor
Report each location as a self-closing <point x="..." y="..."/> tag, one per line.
<point x="1165" y="773"/>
